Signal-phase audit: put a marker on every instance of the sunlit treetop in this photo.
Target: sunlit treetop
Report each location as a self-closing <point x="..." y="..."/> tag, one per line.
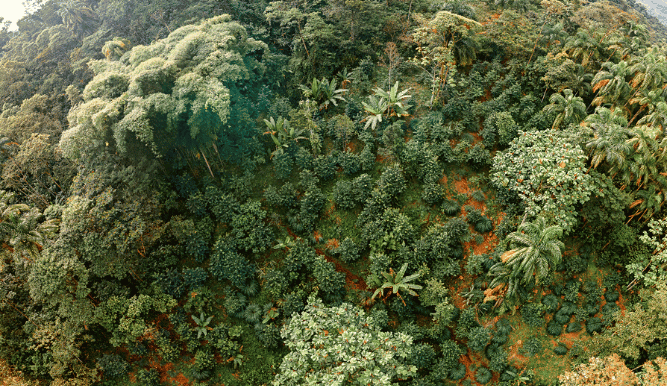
<point x="171" y="94"/>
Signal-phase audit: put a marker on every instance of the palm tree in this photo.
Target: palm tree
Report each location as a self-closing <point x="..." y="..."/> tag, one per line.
<point x="582" y="46"/>
<point x="649" y="201"/>
<point x="657" y="114"/>
<point x="114" y="49"/>
<point x="77" y="16"/>
<point x="610" y="141"/>
<point x="536" y="249"/>
<point x="611" y="84"/>
<point x="569" y="108"/>
<point x="609" y="144"/>
<point x="649" y="71"/>
<point x="646" y="99"/>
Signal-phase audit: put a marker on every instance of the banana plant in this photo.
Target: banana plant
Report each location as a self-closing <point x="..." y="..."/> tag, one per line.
<point x="395" y="282"/>
<point x="383" y="103"/>
<point x="324" y="92"/>
<point x="375" y="108"/>
<point x="282" y="133"/>
<point x="202" y="324"/>
<point x="395" y="100"/>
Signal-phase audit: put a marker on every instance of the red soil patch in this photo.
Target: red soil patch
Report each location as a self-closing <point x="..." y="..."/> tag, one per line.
<point x="462" y="186"/>
<point x="514" y="356"/>
<point x="459" y="284"/>
<point x="180" y="380"/>
<point x="621" y="303"/>
<point x="477" y="359"/>
<point x="569" y="338"/>
<point x="478" y="138"/>
<point x="163" y="370"/>
<point x="330" y="209"/>
<point x="331" y="244"/>
<point x="351" y="280"/>
<point x="490" y="242"/>
<point x="443" y="180"/>
<point x="380" y="159"/>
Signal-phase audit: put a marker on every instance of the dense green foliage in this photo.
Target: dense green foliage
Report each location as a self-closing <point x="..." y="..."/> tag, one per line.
<point x="332" y="192"/>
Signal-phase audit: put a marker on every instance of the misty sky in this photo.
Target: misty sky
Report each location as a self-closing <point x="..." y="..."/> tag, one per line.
<point x="12" y="10"/>
<point x="658" y="8"/>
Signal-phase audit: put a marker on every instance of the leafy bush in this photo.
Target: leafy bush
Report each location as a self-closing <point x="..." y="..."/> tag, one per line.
<point x="348" y="250"/>
<point x="293" y="303"/>
<point x="282" y="165"/>
<point x="434" y="245"/>
<point x="532" y="346"/>
<point x="450" y="353"/>
<point x="611" y="296"/>
<point x="497" y="358"/>
<point x="451" y="207"/>
<point x="551" y="303"/>
<point x="554" y="328"/>
<point x="571" y="291"/>
<point x="573" y="327"/>
<point x="285" y="197"/>
<point x="203" y="364"/>
<point x="392" y="181"/>
<point x="458" y="372"/>
<point x="325" y="167"/>
<point x="479" y="156"/>
<point x="574" y="264"/>
<point x="533" y="314"/>
<point x="249" y="228"/>
<point x="483" y="375"/>
<point x="611" y="280"/>
<point x="329" y="281"/>
<point x="194" y="277"/>
<point x="171" y="283"/>
<point x="432" y="193"/>
<point x="388" y="232"/>
<point x="275" y="283"/>
<point x="268" y="334"/>
<point x="227" y="264"/>
<point x="349" y="162"/>
<point x="475" y="264"/>
<point x="593" y="325"/>
<point x="149" y="377"/>
<point x="561" y="349"/>
<point x="113" y="365"/>
<point x="458" y="231"/>
<point x="467" y="322"/>
<point x="344" y="195"/>
<point x="478" y="338"/>
<point x="234" y="302"/>
<point x="423" y="355"/>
